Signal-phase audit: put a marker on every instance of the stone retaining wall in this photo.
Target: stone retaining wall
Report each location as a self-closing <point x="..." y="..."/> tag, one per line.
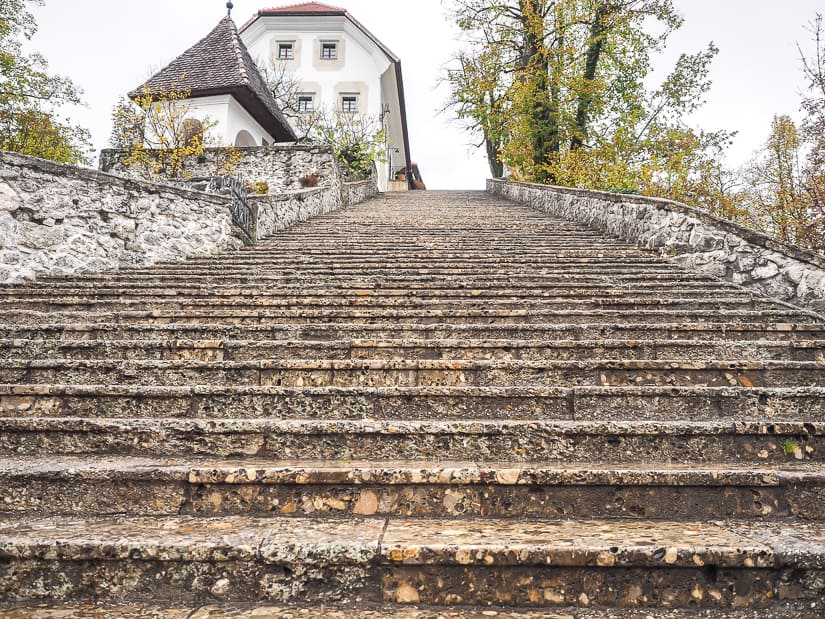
<point x="62" y="220"/>
<point x="276" y="212"/>
<point x="688" y="236"/>
<point x="281" y="166"/>
<point x="59" y="220"/>
<point x="358" y="191"/>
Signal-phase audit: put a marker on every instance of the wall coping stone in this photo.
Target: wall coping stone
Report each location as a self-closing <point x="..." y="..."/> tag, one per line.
<point x="748" y="234"/>
<point x="108" y="178"/>
<point x="297" y="194"/>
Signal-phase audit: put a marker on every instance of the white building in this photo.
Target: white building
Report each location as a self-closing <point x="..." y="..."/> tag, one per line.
<point x="224" y="87"/>
<point x="340" y="66"/>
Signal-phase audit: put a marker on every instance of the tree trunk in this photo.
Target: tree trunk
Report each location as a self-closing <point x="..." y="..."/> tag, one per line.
<point x="595" y="45"/>
<point x="494" y="158"/>
<point x="536" y="69"/>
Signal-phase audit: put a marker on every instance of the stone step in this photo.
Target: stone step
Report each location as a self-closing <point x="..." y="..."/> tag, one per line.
<point x="563" y="441"/>
<point x="299" y="258"/>
<point x="417" y="270"/>
<point x="75" y="304"/>
<point x="804" y="331"/>
<point x="351" y="316"/>
<point x="451" y="402"/>
<point x="410" y="349"/>
<point x="370" y="280"/>
<point x="363" y="610"/>
<point x="119" y="485"/>
<point x="602" y="563"/>
<point x="410" y="276"/>
<point x="420" y="373"/>
<point x="594" y="287"/>
<point x="483" y="261"/>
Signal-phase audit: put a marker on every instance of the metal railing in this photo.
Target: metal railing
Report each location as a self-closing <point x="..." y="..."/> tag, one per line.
<point x="242" y="215"/>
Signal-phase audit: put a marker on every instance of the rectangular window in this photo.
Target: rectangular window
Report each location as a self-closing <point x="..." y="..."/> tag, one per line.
<point x="329" y="50"/>
<point x="349" y="104"/>
<point x="286" y="51"/>
<point x="306" y="102"/>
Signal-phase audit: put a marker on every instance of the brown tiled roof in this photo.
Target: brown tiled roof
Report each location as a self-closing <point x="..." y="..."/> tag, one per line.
<point x="305" y="8"/>
<point x="220" y="64"/>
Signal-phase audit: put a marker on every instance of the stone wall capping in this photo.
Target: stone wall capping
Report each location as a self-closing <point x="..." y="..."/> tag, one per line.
<point x="97" y="176"/>
<point x="280" y="166"/>
<point x="298" y="194"/>
<point x="688" y="236"/>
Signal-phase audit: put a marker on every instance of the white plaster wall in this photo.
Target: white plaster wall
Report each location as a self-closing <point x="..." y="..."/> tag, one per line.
<point x="230" y="116"/>
<point x="238" y="120"/>
<point x="395" y="131"/>
<point x="214" y="109"/>
<point x="362" y="60"/>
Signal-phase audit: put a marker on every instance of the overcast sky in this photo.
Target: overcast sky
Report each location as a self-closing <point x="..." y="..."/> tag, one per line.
<point x="108" y="46"/>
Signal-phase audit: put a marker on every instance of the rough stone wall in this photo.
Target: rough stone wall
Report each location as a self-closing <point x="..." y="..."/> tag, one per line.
<point x="358" y="191"/>
<point x="58" y="220"/>
<point x="278" y="212"/>
<point x="280" y="166"/>
<point x="688" y="236"/>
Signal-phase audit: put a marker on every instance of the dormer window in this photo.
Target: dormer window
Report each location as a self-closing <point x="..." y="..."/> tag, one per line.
<point x="349" y="103"/>
<point x="286" y="50"/>
<point x="329" y="50"/>
<point x="306" y="102"/>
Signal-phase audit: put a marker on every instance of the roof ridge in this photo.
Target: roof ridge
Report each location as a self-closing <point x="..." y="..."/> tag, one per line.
<point x="320" y="5"/>
<point x="238" y="47"/>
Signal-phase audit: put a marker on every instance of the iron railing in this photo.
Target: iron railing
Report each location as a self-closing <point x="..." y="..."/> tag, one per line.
<point x="242" y="215"/>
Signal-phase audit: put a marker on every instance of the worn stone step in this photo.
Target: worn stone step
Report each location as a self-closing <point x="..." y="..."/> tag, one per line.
<point x="804" y="331"/>
<point x="686" y="289"/>
<point x="593" y="290"/>
<point x="119" y="485"/>
<point x="527" y="564"/>
<point x="410" y="349"/>
<point x="372" y="611"/>
<point x="477" y="562"/>
<point x="582" y="403"/>
<point x="332" y="259"/>
<point x="564" y="441"/>
<point x="416" y="373"/>
<point x="368" y="280"/>
<point x="383" y="261"/>
<point x="351" y="316"/>
<point x="182" y="303"/>
<point x="605" y="269"/>
<point x="186" y="559"/>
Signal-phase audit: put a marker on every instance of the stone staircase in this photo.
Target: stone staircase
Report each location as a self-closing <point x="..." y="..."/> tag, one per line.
<point x="431" y="405"/>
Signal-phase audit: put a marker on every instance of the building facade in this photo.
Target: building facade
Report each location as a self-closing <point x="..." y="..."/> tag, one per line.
<point x="340" y="67"/>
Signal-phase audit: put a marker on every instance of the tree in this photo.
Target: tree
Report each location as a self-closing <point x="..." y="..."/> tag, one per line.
<point x="479" y="99"/>
<point x="158" y="133"/>
<point x="358" y="140"/>
<point x="286" y="88"/>
<point x="813" y="126"/>
<point x="30" y="98"/>
<point x="785" y="181"/>
<point x="777" y="198"/>
<point x="571" y="104"/>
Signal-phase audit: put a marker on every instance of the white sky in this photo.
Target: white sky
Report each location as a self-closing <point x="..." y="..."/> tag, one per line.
<point x="108" y="46"/>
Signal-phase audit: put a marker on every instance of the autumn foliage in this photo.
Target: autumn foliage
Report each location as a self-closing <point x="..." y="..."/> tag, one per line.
<point x="31" y="99"/>
<point x="559" y="92"/>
